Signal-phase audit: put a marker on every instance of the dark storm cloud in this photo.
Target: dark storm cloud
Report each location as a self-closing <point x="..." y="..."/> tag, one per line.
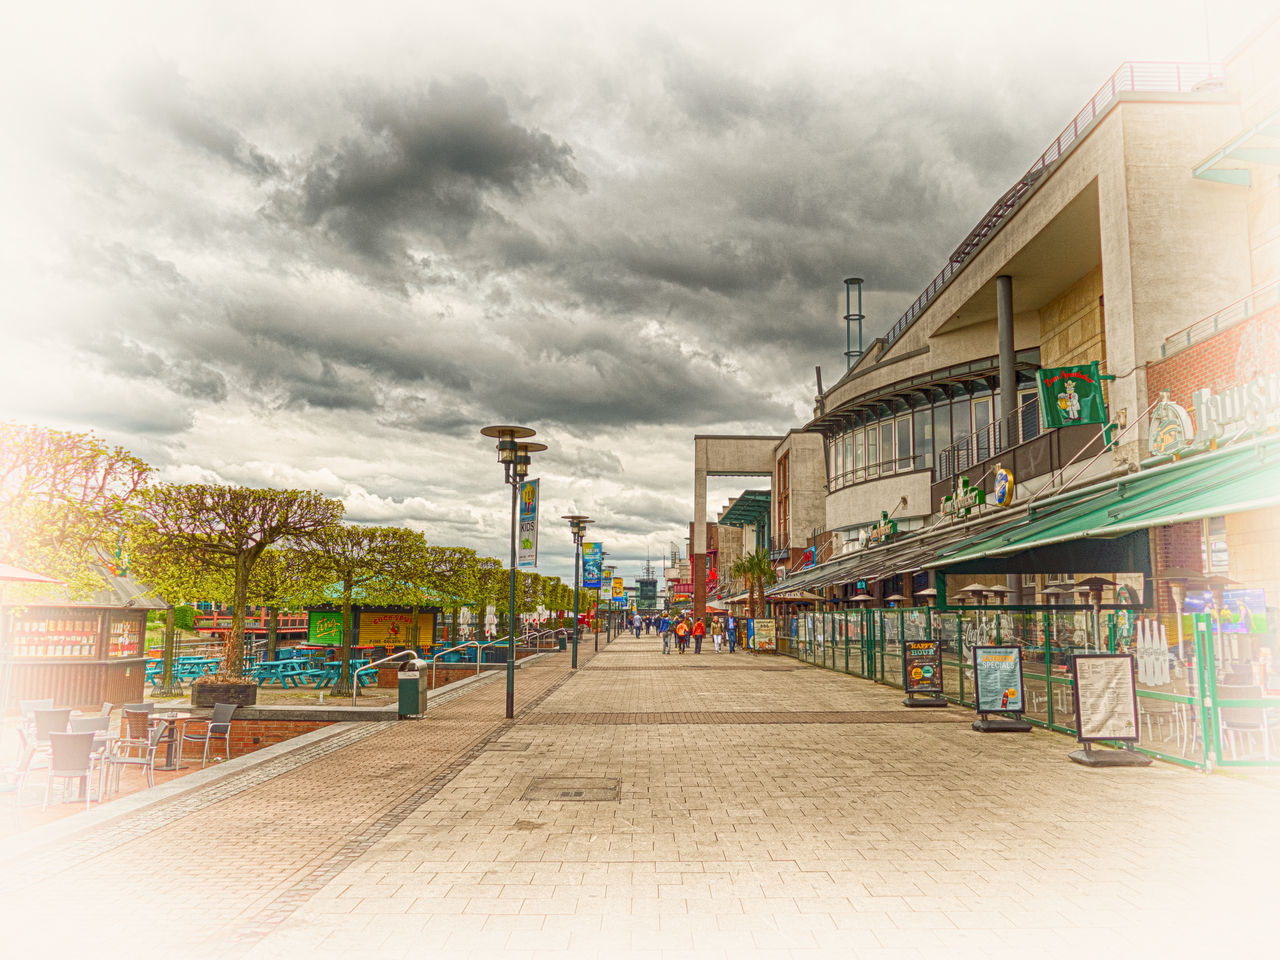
<point x="424" y="164"/>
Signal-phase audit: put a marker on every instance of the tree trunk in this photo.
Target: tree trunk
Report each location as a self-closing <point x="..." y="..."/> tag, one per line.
<point x="343" y="687"/>
<point x="415" y="628"/>
<point x="167" y="686"/>
<point x="273" y="629"/>
<point x="233" y="649"/>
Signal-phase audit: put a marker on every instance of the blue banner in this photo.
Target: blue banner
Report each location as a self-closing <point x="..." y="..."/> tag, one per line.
<point x="591" y="558"/>
<point x="527" y="544"/>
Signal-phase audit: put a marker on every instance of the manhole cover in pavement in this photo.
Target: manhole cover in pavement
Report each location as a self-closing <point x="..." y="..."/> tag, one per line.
<point x="573" y="789"/>
<point x="510" y="746"/>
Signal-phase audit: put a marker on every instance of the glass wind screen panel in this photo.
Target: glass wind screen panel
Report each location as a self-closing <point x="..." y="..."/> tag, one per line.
<point x="961" y="424"/>
<point x="904" y="443"/>
<point x="922" y="428"/>
<point x="1030" y="416"/>
<point x="886" y="446"/>
<point x="982" y="420"/>
<point x="942" y="426"/>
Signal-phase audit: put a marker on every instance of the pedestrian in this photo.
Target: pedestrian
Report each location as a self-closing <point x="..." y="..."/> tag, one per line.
<point x="682" y="635"/>
<point x="699" y="631"/>
<point x="664" y="628"/>
<point x="732" y="628"/>
<point x="717" y="633"/>
<point x="635" y="624"/>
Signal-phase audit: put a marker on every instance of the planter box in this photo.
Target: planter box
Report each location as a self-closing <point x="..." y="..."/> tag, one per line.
<point x="208" y="694"/>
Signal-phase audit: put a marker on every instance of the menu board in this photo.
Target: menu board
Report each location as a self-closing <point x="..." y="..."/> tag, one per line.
<point x="1106" y="699"/>
<point x="997" y="676"/>
<point x="922" y="666"/>
<point x="55" y="633"/>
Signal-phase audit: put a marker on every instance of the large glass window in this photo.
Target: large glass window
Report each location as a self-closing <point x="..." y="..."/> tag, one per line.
<point x="859" y="456"/>
<point x="961" y="427"/>
<point x="904" y="443"/>
<point x="922" y="429"/>
<point x="886" y="446"/>
<point x="873" y="452"/>
<point x="982" y="420"/>
<point x="848" y="456"/>
<point x="942" y="435"/>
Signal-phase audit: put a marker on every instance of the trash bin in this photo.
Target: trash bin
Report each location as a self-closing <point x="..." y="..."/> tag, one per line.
<point x="413" y="689"/>
<point x="562" y="640"/>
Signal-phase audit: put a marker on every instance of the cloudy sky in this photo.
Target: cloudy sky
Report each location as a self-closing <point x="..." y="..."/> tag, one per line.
<point x="321" y="244"/>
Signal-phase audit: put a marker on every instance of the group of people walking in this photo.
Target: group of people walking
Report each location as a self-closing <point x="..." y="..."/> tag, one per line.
<point x="686" y="630"/>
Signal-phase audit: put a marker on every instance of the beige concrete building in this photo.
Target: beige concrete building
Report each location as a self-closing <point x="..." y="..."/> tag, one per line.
<point x="1156" y="206"/>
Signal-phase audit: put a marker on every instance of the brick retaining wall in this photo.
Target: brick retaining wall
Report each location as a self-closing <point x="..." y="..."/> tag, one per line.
<point x="250" y="735"/>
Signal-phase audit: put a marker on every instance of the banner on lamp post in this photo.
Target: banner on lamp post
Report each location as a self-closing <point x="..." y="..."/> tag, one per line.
<point x="591" y="557"/>
<point x="619" y="591"/>
<point x="527" y="539"/>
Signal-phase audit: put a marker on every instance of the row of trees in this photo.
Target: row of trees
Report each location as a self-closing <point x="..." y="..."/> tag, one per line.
<point x="71" y="507"/>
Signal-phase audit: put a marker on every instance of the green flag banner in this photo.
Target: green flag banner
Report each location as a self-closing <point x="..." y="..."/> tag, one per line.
<point x="1071" y="395"/>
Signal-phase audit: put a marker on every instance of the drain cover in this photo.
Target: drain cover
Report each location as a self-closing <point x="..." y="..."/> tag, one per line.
<point x="506" y="746"/>
<point x="573" y="789"/>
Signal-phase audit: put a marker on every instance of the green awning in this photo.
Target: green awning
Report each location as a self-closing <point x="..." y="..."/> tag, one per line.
<point x="748" y="510"/>
<point x="1232" y="480"/>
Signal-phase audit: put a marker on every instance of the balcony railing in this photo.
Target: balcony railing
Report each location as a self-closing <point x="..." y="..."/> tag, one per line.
<point x="1130" y="77"/>
<point x="1003" y="434"/>
<point x="1264" y="298"/>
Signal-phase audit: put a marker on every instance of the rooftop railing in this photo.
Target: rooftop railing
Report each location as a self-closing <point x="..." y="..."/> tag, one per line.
<point x="1264" y="298"/>
<point x="1130" y="77"/>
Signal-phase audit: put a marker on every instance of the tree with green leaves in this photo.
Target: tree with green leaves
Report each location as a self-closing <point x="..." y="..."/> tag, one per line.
<point x="283" y="578"/>
<point x="65" y="501"/>
<point x="362" y="564"/>
<point x="228" y="529"/>
<point x="756" y="572"/>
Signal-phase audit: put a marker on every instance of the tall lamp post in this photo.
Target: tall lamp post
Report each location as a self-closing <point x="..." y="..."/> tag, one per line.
<point x="514" y="455"/>
<point x="577" y="526"/>
<point x="608" y="613"/>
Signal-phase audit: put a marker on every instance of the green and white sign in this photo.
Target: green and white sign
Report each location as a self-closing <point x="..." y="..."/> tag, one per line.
<point x="324" y="628"/>
<point x="997" y="678"/>
<point x="1071" y="395"/>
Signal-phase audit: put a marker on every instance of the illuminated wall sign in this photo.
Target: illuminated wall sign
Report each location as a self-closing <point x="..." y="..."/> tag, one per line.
<point x="882" y="531"/>
<point x="960" y="504"/>
<point x="1251" y="406"/>
<point x="1169" y="428"/>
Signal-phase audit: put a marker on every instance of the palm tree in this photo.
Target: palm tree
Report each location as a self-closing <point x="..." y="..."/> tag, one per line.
<point x="756" y="572"/>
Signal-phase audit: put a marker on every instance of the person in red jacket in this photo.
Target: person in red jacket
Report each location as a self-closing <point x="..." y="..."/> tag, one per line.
<point x="682" y="635"/>
<point x="699" y="631"/>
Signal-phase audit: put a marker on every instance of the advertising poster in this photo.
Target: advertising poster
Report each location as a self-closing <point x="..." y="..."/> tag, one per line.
<point x="922" y="666"/>
<point x="1106" y="700"/>
<point x="591" y="557"/>
<point x="606" y="584"/>
<point x="324" y="628"/>
<point x="619" y="591"/>
<point x="527" y="541"/>
<point x="997" y="675"/>
<point x="766" y="636"/>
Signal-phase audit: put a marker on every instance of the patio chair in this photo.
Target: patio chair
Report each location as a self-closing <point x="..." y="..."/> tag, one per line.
<point x="122" y="756"/>
<point x="71" y="758"/>
<point x="28" y="750"/>
<point x="49" y="722"/>
<point x="217" y="727"/>
<point x="98" y="726"/>
<point x="106" y="710"/>
<point x="1249" y="720"/>
<point x="135" y="731"/>
<point x="27" y="709"/>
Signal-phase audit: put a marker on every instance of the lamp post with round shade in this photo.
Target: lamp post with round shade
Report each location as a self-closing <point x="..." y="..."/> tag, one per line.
<point x="515" y="456"/>
<point x="577" y="526"/>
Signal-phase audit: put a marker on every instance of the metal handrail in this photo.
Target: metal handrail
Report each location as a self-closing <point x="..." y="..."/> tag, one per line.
<point x="436" y="656"/>
<point x="355" y="677"/>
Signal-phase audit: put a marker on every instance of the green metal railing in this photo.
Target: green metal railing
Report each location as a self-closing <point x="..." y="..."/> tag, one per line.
<point x="1173" y="717"/>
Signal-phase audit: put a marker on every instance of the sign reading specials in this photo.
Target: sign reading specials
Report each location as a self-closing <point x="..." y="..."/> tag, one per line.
<point x="960" y="504"/>
<point x="1245" y="408"/>
<point x="1004" y="487"/>
<point x="1071" y="395"/>
<point x="882" y="531"/>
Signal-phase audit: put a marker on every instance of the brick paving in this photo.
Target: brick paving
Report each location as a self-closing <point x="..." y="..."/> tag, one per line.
<point x="756" y="817"/>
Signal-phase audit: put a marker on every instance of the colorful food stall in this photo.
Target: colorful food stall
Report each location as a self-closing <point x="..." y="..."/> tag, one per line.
<point x="80" y="655"/>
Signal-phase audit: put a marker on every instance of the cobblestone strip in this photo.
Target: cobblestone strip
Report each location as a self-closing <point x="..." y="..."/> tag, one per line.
<point x="251" y="930"/>
<point x="737" y="718"/>
<point x="73" y="851"/>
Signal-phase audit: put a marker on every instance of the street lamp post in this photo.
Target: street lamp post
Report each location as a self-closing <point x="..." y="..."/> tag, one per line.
<point x="608" y="611"/>
<point x="577" y="526"/>
<point x="515" y="457"/>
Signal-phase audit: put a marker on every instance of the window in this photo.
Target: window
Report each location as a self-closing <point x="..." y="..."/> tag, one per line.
<point x="1029" y="580"/>
<point x="922" y="428"/>
<point x="784" y="498"/>
<point x="983" y="447"/>
<point x="848" y="456"/>
<point x="1213" y="545"/>
<point x="904" y="443"/>
<point x="942" y="436"/>
<point x="961" y="427"/>
<point x="873" y="452"/>
<point x="859" y="456"/>
<point x="886" y="446"/>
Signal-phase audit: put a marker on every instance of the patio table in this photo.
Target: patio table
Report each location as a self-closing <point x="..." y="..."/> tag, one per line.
<point x="171" y="719"/>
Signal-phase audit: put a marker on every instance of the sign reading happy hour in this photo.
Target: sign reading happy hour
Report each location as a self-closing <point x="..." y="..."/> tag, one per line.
<point x="997" y="676"/>
<point x="922" y="666"/>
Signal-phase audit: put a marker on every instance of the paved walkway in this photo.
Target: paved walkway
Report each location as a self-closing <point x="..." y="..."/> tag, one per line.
<point x="668" y="806"/>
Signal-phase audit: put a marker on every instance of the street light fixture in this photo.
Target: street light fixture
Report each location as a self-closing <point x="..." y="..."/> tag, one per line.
<point x="514" y="455"/>
<point x="577" y="526"/>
